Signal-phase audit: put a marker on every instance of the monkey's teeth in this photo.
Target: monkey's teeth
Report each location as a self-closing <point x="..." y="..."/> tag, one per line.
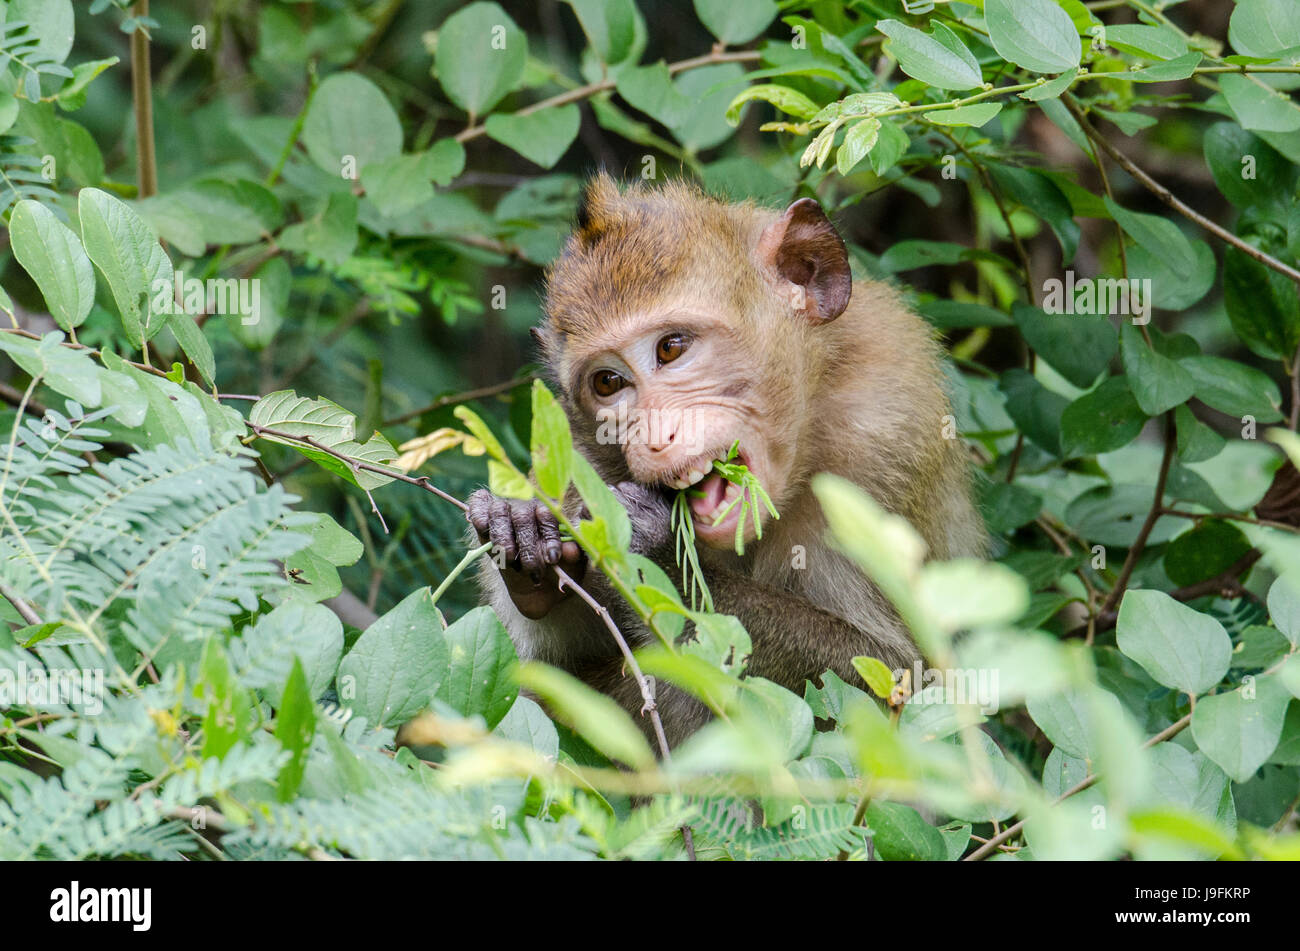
<point x="679" y="483"/>
<point x="694" y="476"/>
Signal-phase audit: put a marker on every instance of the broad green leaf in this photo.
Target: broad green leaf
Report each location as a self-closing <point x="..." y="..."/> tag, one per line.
<point x="231" y="212"/>
<point x="1161" y="237"/>
<point x="1166" y="290"/>
<point x="651" y="89"/>
<point x="1035" y="409"/>
<point x="480" y="58"/>
<point x="1261" y="304"/>
<point x="610" y="26"/>
<point x="1149" y="42"/>
<point x="195" y="346"/>
<point x="1158" y="383"/>
<point x="528" y="724"/>
<point x="331" y="427"/>
<point x="1075" y="720"/>
<point x="541" y="137"/>
<point x="1178" y="646"/>
<point x="1284" y="605"/>
<point x="1044" y="198"/>
<point x="1234" y="388"/>
<point x="1181" y="67"/>
<point x="876" y="675"/>
<point x="329" y="234"/>
<point x="1078" y="346"/>
<point x="598" y="719"/>
<point x="1211" y="547"/>
<point x="783" y="97"/>
<point x="940" y="60"/>
<point x="551" y="444"/>
<point x="1101" y="421"/>
<point x="901" y="835"/>
<point x="1248" y="170"/>
<point x="395" y="668"/>
<point x="858" y="143"/>
<point x="1035" y="34"/>
<point x="1259" y="107"/>
<point x="64" y="369"/>
<point x="480" y="677"/>
<point x="1239" y="730"/>
<point x="735" y="22"/>
<point x="974" y="115"/>
<point x="350" y="124"/>
<point x="52" y="254"/>
<point x="1263" y="27"/>
<point x="310" y="635"/>
<point x="295" y="726"/>
<point x="128" y="254"/>
<point x="1051" y="88"/>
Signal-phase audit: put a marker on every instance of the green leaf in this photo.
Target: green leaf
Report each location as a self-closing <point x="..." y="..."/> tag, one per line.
<point x="1101" y="421"/>
<point x="975" y="115"/>
<point x="1158" y="383"/>
<point x="330" y="234"/>
<point x="1170" y="291"/>
<point x="1240" y="730"/>
<point x="1284" y="605"/>
<point x="651" y="90"/>
<point x="1149" y="42"/>
<point x="480" y="679"/>
<point x="230" y="212"/>
<point x="783" y="97"/>
<point x="1160" y="236"/>
<point x="1263" y="27"/>
<point x="735" y="21"/>
<point x="541" y="137"/>
<point x="1181" y="67"/>
<point x="64" y="369"/>
<point x="315" y="568"/>
<point x="901" y="835"/>
<point x="1006" y="507"/>
<point x="1211" y="547"/>
<point x="350" y="124"/>
<point x="858" y="142"/>
<point x="399" y="184"/>
<point x="1052" y="88"/>
<point x="295" y="726"/>
<point x="876" y="675"/>
<point x="226" y="717"/>
<point x="1234" y="388"/>
<point x="1035" y="34"/>
<point x="598" y="719"/>
<point x="551" y="443"/>
<point x="71" y="95"/>
<point x="610" y="26"/>
<point x="128" y="254"/>
<point x="395" y="668"/>
<point x="1075" y="720"/>
<point x="940" y="60"/>
<point x="905" y="255"/>
<point x="1044" y="198"/>
<point x="1196" y="441"/>
<point x="480" y="58"/>
<point x="1078" y="346"/>
<point x="1259" y="107"/>
<point x="1248" y="171"/>
<point x="52" y="254"/>
<point x="328" y="425"/>
<point x="1178" y="646"/>
<point x="1034" y="408"/>
<point x="891" y="145"/>
<point x="1261" y="305"/>
<point x="195" y="346"/>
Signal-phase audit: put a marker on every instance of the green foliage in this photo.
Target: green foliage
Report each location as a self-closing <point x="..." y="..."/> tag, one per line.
<point x="175" y="517"/>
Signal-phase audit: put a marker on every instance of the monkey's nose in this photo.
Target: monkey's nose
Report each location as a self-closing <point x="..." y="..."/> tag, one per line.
<point x="663" y="440"/>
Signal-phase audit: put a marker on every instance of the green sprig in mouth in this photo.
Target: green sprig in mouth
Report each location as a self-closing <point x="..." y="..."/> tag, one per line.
<point x="749" y="498"/>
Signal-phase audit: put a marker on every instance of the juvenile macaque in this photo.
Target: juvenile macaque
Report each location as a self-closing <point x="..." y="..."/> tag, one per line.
<point x="682" y="324"/>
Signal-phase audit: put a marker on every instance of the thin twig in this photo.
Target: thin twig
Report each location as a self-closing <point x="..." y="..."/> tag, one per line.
<point x="1168" y="197"/>
<point x="1140" y="543"/>
<point x="1011" y="831"/>
<point x="451" y="398"/>
<point x="21" y="606"/>
<point x="142" y="99"/>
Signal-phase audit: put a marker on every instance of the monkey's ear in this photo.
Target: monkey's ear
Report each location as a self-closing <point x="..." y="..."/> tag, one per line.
<point x="596" y="207"/>
<point x="803" y="247"/>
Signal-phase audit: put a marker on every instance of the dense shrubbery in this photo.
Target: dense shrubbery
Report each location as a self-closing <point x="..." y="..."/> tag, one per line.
<point x="180" y="493"/>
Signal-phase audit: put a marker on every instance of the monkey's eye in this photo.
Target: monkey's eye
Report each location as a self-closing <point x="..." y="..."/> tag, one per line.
<point x="607" y="382"/>
<point x="671" y="347"/>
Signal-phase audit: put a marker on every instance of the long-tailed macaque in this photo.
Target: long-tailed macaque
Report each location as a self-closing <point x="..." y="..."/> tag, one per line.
<point x="707" y="323"/>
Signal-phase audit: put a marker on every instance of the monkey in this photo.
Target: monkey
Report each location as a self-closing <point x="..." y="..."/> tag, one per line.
<point x="707" y="324"/>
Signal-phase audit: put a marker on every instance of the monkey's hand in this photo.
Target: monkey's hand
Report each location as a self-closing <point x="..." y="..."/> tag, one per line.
<point x="525" y="538"/>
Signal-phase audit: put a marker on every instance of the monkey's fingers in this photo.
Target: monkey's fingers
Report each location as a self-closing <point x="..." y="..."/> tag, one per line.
<point x="549" y="532"/>
<point x="523" y="516"/>
<point x="477" y="512"/>
<point x="501" y="528"/>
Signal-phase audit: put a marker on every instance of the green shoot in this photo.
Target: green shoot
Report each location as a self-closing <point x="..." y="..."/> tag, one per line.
<point x="751" y="494"/>
<point x="687" y="557"/>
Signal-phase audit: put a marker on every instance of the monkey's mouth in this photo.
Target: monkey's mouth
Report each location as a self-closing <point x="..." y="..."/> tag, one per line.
<point x="710" y="495"/>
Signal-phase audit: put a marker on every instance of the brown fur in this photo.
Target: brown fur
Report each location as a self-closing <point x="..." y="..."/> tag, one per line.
<point x="858" y="395"/>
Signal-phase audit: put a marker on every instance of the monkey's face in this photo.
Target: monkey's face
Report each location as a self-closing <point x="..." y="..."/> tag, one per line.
<point x="674" y="394"/>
